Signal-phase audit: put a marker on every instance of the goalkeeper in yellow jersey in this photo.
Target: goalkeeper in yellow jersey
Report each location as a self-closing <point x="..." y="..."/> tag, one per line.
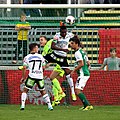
<point x="56" y="74"/>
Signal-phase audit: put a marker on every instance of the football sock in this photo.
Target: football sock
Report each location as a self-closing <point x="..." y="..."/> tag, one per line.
<point x="70" y="81"/>
<point x="47" y="99"/>
<point x="23" y="99"/>
<point x="83" y="99"/>
<point x="56" y="84"/>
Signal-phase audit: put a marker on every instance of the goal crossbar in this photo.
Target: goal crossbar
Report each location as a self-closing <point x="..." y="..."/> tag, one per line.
<point x="59" y="6"/>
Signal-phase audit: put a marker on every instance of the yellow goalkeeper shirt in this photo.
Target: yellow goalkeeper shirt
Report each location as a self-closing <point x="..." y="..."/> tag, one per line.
<point x="47" y="48"/>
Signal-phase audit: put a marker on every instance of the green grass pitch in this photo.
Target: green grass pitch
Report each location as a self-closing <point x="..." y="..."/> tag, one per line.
<point x="40" y="112"/>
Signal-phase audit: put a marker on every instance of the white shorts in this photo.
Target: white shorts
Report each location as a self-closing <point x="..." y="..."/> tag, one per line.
<point x="81" y="82"/>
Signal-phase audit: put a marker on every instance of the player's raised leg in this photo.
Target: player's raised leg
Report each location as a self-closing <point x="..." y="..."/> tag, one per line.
<point x="56" y="87"/>
<point x="70" y="81"/>
<point x="56" y="96"/>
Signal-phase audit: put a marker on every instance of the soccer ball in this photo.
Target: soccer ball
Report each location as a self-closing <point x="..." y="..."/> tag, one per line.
<point x="70" y="20"/>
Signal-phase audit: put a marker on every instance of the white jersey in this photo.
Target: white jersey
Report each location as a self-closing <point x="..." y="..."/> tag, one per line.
<point x="62" y="43"/>
<point x="34" y="63"/>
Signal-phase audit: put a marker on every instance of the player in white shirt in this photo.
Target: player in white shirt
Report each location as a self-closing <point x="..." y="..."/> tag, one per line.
<point x="34" y="63"/>
<point x="59" y="54"/>
<point x="62" y="42"/>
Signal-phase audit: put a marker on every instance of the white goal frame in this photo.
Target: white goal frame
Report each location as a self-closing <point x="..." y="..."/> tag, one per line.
<point x="59" y="6"/>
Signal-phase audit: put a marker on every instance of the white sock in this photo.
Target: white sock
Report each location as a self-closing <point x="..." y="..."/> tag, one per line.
<point x="70" y="81"/>
<point x="23" y="99"/>
<point x="47" y="100"/>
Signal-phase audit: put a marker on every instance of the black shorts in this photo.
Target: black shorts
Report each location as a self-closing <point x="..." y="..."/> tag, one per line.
<point x="30" y="82"/>
<point x="54" y="58"/>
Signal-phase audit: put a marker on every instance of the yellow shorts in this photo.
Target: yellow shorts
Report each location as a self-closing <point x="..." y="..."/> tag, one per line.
<point x="57" y="68"/>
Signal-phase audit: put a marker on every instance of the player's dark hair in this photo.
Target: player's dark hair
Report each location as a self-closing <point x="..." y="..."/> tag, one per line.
<point x="77" y="41"/>
<point x="81" y="45"/>
<point x="62" y="26"/>
<point x="112" y="49"/>
<point x="32" y="46"/>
